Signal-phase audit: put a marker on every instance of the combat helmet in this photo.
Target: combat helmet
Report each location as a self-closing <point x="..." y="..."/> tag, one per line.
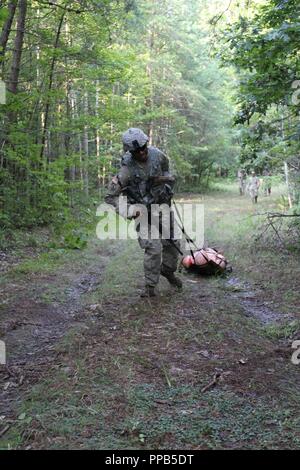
<point x="134" y="139"/>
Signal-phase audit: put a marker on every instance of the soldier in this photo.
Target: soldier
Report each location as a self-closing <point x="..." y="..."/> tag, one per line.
<point x="253" y="187"/>
<point x="140" y="166"/>
<point x="267" y="182"/>
<point x="242" y="181"/>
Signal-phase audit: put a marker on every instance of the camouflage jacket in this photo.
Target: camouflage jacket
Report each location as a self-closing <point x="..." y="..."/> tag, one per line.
<point x="134" y="179"/>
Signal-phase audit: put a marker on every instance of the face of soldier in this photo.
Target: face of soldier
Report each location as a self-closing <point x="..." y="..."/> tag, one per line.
<point x="141" y="154"/>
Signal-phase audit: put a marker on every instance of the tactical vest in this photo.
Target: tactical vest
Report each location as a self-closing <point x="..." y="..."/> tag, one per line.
<point x="140" y="189"/>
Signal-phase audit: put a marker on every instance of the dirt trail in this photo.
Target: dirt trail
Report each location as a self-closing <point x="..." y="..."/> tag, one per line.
<point x="90" y="365"/>
<point x="31" y="326"/>
<point x="253" y="305"/>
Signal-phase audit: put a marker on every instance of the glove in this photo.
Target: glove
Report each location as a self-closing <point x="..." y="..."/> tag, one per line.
<point x="133" y="212"/>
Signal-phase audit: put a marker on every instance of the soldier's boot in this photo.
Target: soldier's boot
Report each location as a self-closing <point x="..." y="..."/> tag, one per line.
<point x="170" y="276"/>
<point x="148" y="292"/>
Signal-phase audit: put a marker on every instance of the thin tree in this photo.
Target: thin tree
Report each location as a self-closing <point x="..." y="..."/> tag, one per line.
<point x="7" y="29"/>
<point x="51" y="76"/>
<point x="13" y="80"/>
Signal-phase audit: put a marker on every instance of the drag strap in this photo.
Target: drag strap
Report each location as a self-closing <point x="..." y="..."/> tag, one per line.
<point x="188" y="239"/>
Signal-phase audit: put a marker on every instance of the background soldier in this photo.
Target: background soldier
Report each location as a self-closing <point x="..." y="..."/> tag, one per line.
<point x="253" y="187"/>
<point x="138" y="180"/>
<point x="267" y="185"/>
<point x="242" y="181"/>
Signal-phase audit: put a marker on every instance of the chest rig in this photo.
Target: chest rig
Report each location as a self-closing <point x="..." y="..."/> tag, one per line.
<point x="140" y="189"/>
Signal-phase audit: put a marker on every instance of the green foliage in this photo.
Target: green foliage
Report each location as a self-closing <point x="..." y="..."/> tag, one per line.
<point x="263" y="46"/>
<point x="3" y="14"/>
<point x="188" y="94"/>
<point x="87" y="76"/>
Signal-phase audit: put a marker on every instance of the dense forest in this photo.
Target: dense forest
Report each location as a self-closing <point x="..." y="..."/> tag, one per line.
<point x="78" y="73"/>
<point x="263" y="47"/>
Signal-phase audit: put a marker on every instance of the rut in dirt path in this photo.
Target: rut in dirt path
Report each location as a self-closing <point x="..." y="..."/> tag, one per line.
<point x="253" y="306"/>
<point x="146" y="367"/>
<point x="32" y="328"/>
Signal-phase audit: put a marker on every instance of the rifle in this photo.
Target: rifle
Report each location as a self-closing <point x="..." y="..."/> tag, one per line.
<point x="158" y="180"/>
<point x="164" y="195"/>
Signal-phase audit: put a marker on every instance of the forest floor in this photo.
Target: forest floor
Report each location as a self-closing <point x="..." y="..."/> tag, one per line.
<point x="92" y="366"/>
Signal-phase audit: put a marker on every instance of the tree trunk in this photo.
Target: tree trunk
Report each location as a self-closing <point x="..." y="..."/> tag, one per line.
<point x="98" y="137"/>
<point x="287" y="179"/>
<point x="86" y="147"/>
<point x="149" y="75"/>
<point x="72" y="168"/>
<point x="13" y="80"/>
<point x="7" y="28"/>
<point x="286" y="168"/>
<point x="47" y="107"/>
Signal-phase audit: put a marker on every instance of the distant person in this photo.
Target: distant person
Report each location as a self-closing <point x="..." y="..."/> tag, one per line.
<point x="267" y="184"/>
<point x="253" y="187"/>
<point x="242" y="176"/>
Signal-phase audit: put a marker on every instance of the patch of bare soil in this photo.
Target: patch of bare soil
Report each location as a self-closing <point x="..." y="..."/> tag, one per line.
<point x="31" y="327"/>
<point x="251" y="300"/>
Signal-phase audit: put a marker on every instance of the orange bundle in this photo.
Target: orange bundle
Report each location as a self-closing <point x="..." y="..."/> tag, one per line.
<point x="206" y="261"/>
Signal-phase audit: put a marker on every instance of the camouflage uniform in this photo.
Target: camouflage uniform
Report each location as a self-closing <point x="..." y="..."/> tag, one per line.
<point x="267" y="183"/>
<point x="242" y="181"/>
<point x="133" y="180"/>
<point x="253" y="186"/>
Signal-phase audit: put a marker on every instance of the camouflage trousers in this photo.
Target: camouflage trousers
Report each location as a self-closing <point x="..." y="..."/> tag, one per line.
<point x="242" y="187"/>
<point x="253" y="191"/>
<point x="159" y="253"/>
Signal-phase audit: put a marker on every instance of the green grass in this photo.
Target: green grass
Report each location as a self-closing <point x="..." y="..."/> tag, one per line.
<point x="153" y="418"/>
<point x="120" y="275"/>
<point x="284" y="331"/>
<point x="46" y="262"/>
<point x="221" y="419"/>
<point x="133" y="377"/>
<point x="233" y="225"/>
